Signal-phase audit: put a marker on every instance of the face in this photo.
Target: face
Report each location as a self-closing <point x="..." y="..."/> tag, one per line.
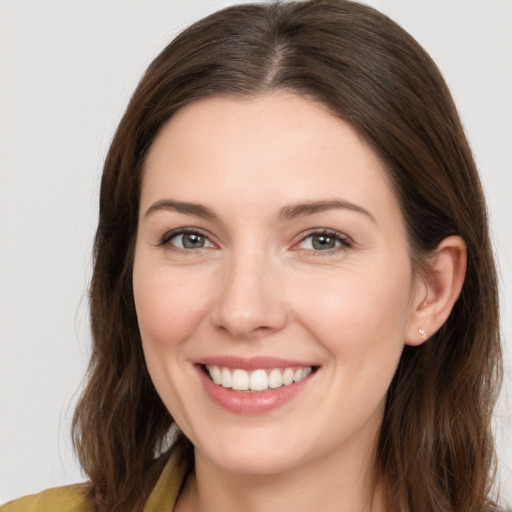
<point x="272" y="282"/>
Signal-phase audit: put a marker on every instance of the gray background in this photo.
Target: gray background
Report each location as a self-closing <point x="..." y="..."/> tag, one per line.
<point x="68" y="68"/>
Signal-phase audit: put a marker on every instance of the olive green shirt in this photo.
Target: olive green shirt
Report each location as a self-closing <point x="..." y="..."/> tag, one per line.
<point x="71" y="498"/>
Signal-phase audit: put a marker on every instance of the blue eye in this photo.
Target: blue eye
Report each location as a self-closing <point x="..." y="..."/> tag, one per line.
<point x="323" y="241"/>
<point x="188" y="240"/>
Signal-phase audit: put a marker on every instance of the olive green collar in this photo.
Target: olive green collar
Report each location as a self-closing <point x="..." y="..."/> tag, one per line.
<point x="164" y="495"/>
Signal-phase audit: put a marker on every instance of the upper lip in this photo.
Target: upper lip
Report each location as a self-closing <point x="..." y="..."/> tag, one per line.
<point x="252" y="363"/>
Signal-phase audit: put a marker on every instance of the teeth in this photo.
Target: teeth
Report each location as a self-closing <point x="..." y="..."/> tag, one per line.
<point x="216" y="375"/>
<point x="275" y="379"/>
<point x="240" y="380"/>
<point x="257" y="380"/>
<point x="288" y="376"/>
<point x="226" y="378"/>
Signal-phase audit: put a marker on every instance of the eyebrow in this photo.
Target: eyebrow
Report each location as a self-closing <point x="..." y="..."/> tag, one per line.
<point x="181" y="207"/>
<point x="311" y="207"/>
<point x="288" y="212"/>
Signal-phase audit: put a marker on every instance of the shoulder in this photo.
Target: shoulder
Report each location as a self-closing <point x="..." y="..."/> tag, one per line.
<point x="71" y="498"/>
<point x="171" y="471"/>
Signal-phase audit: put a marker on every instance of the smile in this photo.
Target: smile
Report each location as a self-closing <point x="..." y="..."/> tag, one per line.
<point x="256" y="380"/>
<point x="255" y="385"/>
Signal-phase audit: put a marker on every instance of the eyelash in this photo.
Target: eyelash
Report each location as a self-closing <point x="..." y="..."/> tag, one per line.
<point x="343" y="241"/>
<point x="165" y="240"/>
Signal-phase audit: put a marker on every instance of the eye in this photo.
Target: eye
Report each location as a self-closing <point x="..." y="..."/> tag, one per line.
<point x="187" y="240"/>
<point x="324" y="241"/>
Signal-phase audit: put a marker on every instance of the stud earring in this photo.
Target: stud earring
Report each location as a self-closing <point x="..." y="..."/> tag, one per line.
<point x="422" y="332"/>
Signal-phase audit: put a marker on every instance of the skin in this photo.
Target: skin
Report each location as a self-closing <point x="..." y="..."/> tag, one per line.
<point x="259" y="287"/>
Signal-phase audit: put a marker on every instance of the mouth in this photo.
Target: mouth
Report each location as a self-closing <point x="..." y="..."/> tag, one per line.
<point x="255" y="385"/>
<point x="258" y="379"/>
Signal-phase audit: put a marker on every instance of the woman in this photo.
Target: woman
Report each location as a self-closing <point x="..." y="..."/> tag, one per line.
<point x="292" y="263"/>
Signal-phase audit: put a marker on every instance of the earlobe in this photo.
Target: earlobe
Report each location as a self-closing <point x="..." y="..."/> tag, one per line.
<point x="442" y="282"/>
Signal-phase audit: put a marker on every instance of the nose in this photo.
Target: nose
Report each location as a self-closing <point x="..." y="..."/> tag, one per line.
<point x="250" y="302"/>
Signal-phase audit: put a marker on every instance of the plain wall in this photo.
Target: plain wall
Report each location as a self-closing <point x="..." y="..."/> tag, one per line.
<point x="67" y="70"/>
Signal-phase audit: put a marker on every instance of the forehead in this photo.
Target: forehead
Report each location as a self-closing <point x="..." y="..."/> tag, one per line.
<point x="280" y="146"/>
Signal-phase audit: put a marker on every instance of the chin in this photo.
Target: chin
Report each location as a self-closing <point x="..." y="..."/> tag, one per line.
<point x="261" y="464"/>
<point x="253" y="456"/>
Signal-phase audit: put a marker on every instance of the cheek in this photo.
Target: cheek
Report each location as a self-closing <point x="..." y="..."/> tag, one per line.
<point x="355" y="313"/>
<point x="169" y="307"/>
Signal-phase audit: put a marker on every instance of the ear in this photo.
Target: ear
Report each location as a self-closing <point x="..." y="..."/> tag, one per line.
<point x="437" y="290"/>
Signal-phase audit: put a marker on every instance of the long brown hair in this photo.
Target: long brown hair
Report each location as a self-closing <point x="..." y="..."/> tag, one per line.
<point x="435" y="451"/>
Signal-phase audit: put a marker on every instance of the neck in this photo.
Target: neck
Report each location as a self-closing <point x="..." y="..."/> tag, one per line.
<point x="328" y="484"/>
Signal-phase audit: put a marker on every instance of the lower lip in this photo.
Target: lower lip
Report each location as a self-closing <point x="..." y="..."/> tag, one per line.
<point x="251" y="403"/>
